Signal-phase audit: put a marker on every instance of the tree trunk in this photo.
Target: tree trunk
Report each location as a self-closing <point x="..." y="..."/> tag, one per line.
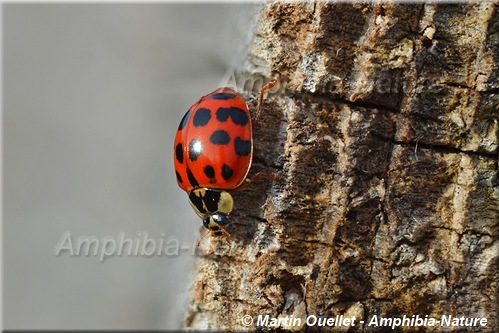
<point x="383" y="131"/>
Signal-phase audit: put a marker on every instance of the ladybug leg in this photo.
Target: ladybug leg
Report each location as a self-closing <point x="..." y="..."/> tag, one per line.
<point x="260" y="97"/>
<point x="247" y="182"/>
<point x="272" y="176"/>
<point x="243" y="185"/>
<point x="206" y="234"/>
<point x="227" y="235"/>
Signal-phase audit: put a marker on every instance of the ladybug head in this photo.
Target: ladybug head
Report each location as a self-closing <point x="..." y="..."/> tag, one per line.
<point x="216" y="223"/>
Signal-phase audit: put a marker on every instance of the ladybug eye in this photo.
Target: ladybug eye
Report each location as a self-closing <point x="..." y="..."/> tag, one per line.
<point x="206" y="221"/>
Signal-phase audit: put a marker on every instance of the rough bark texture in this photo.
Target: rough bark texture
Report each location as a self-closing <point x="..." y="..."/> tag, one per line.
<point x="384" y="132"/>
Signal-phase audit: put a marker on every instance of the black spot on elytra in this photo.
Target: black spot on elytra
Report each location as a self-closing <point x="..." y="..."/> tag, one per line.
<point x="223" y="114"/>
<point x="220" y="137"/>
<point x="202" y="117"/>
<point x="243" y="147"/>
<point x="179" y="153"/>
<point x="179" y="178"/>
<point x="239" y="116"/>
<point x="209" y="171"/>
<point x="183" y="122"/>
<point x="223" y="96"/>
<point x="195" y="149"/>
<point x="227" y="172"/>
<point x="192" y="180"/>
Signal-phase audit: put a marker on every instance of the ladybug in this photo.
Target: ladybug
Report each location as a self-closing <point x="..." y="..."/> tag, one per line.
<point x="213" y="152"/>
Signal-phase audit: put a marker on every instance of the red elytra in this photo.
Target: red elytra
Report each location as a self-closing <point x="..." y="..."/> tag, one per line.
<point x="213" y="144"/>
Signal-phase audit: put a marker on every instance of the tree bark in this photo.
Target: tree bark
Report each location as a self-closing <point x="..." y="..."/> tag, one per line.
<point x="383" y="130"/>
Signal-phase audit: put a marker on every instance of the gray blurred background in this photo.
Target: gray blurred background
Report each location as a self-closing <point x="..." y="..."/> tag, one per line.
<point x="93" y="95"/>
